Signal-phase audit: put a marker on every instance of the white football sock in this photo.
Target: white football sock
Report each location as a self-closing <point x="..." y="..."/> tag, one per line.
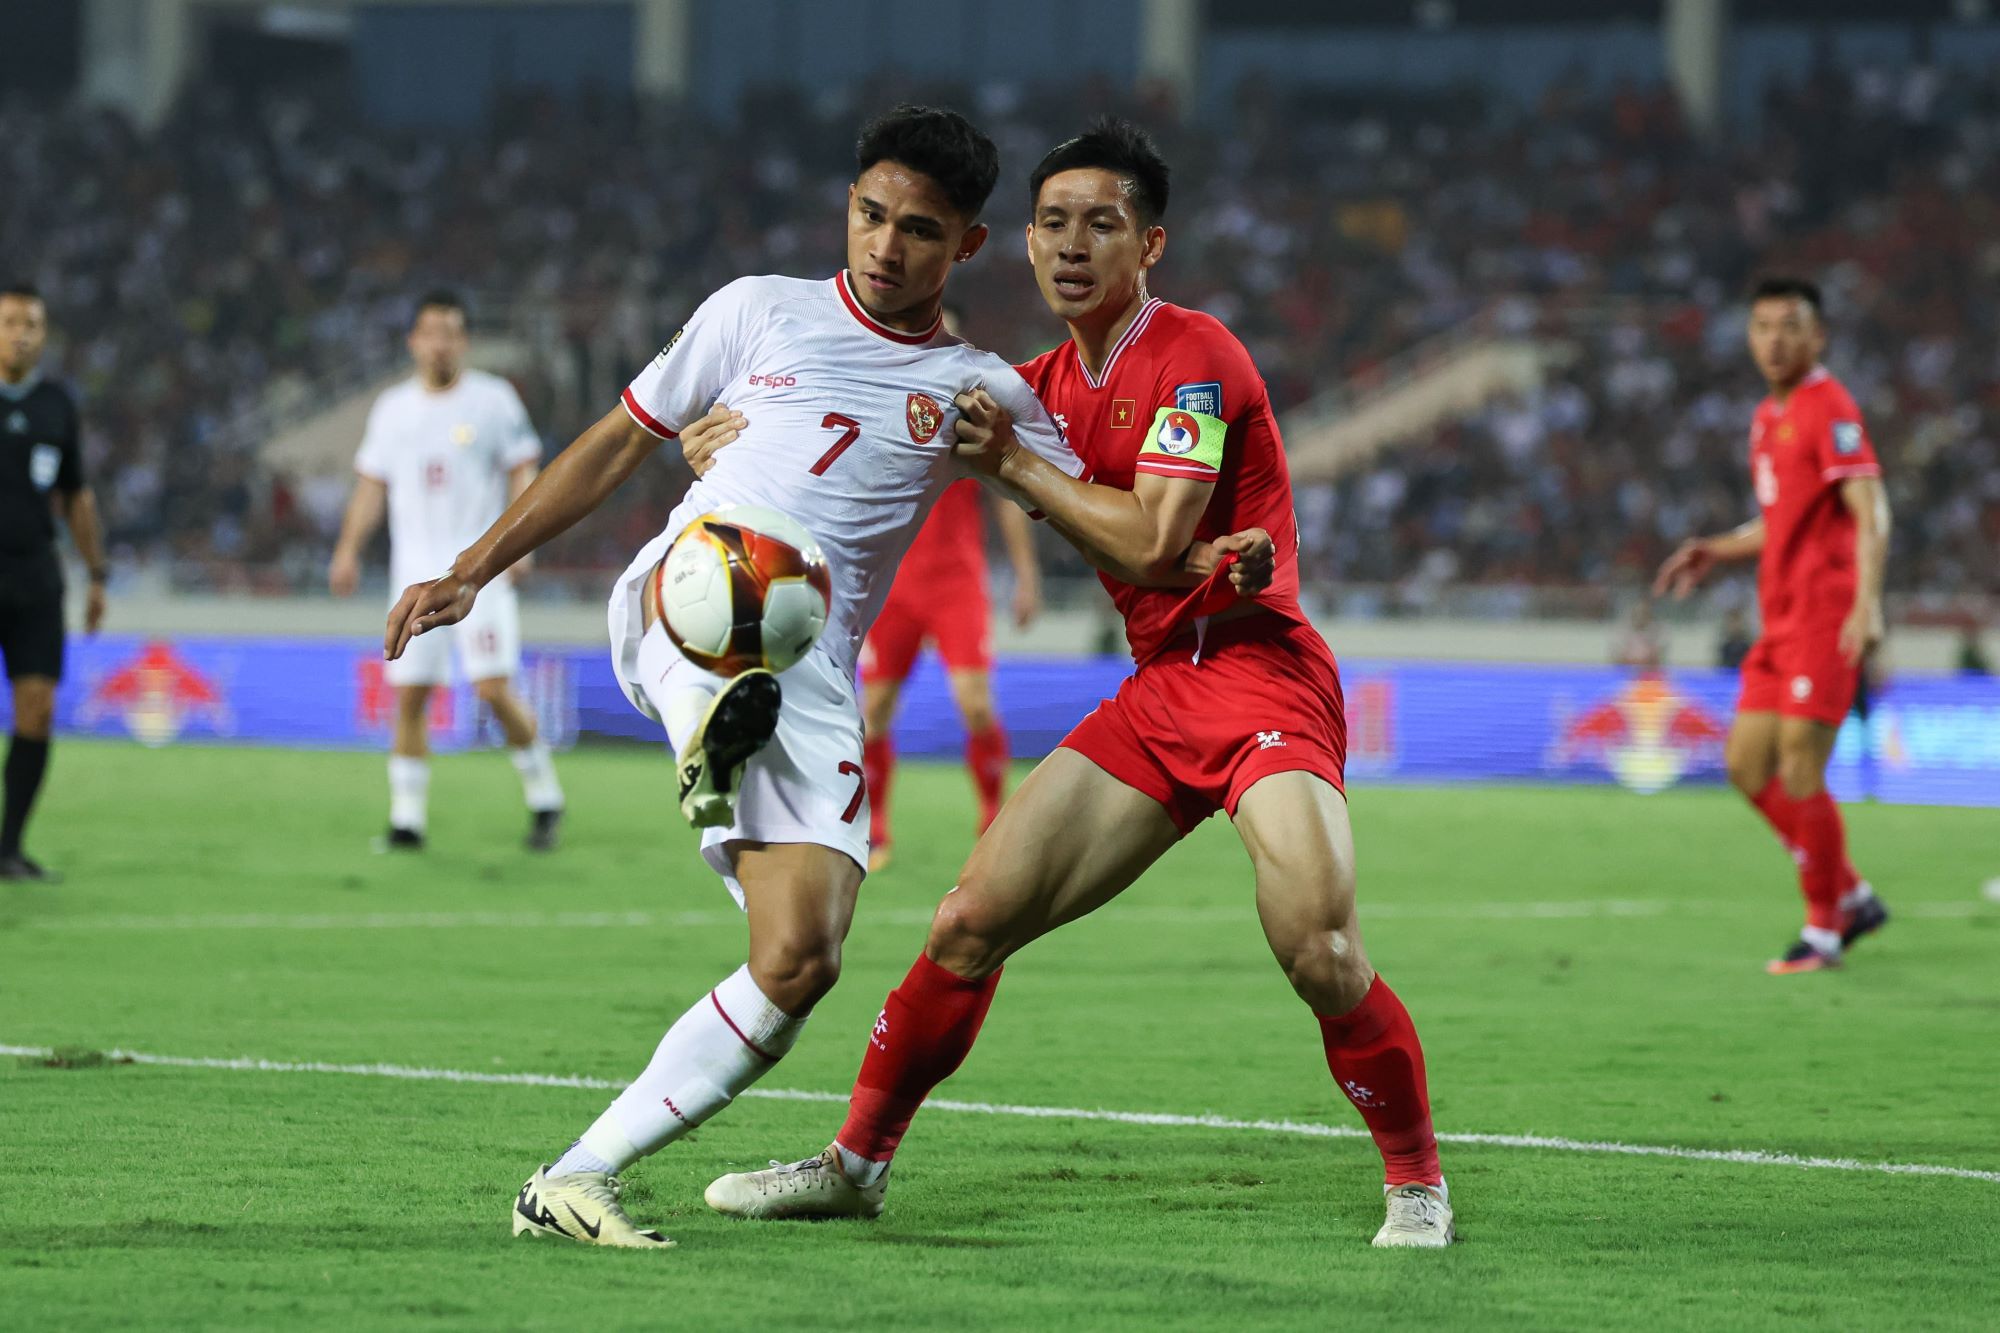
<point x="1856" y="896"/>
<point x="862" y="1171"/>
<point x="538" y="777"/>
<point x="731" y="1038"/>
<point x="409" y="792"/>
<point x="681" y="706"/>
<point x="1822" y="939"/>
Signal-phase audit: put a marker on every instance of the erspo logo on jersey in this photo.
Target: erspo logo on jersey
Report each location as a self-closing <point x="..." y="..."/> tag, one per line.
<point x="773" y="381"/>
<point x="924" y="416"/>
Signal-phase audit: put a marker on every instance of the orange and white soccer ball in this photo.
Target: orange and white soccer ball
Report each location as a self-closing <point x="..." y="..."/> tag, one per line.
<point x="743" y="586"/>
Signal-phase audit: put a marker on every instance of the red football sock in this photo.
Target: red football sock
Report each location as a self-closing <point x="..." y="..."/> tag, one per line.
<point x="1823" y="868"/>
<point x="926" y="1027"/>
<point x="1782" y="813"/>
<point x="986" y="756"/>
<point x="1378" y="1062"/>
<point x="878" y="766"/>
<point x="1779" y="811"/>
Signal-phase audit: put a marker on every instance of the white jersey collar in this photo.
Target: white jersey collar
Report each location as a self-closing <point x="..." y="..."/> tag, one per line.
<point x="875" y="326"/>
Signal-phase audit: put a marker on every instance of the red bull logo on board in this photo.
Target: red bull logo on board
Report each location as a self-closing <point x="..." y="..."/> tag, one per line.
<point x="157" y="694"/>
<point x="1648" y="735"/>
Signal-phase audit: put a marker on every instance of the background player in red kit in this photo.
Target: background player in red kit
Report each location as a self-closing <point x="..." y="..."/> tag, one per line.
<point x="1235" y="705"/>
<point x="940" y="596"/>
<point x="1821" y="540"/>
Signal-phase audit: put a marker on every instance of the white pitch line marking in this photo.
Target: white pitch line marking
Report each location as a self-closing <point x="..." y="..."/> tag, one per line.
<point x="1308" y="1129"/>
<point x="1193" y="916"/>
<point x="1561" y="910"/>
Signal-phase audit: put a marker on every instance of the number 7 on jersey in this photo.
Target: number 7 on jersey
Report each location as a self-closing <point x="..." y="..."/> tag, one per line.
<point x="850" y="431"/>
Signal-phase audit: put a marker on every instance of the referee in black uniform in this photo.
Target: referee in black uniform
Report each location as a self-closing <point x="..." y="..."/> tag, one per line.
<point x="41" y="475"/>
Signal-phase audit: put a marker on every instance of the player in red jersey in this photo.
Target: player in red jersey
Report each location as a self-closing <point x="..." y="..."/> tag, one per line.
<point x="940" y="596"/>
<point x="1821" y="539"/>
<point x="1235" y="705"/>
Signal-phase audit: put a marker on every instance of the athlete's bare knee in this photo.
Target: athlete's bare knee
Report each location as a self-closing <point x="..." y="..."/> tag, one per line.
<point x="977" y="713"/>
<point x="1327" y="968"/>
<point x="1747" y="774"/>
<point x="1800" y="773"/>
<point x="971" y="933"/>
<point x="493" y="691"/>
<point x="34" y="708"/>
<point x="796" y="971"/>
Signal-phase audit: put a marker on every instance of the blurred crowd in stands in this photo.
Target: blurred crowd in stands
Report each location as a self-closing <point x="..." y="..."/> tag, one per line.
<point x="213" y="282"/>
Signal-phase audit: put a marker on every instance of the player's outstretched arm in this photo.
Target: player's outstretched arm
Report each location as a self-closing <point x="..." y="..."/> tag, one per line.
<point x="1868" y="500"/>
<point x="1017" y="534"/>
<point x="1692" y="561"/>
<point x="576" y="482"/>
<point x="87" y="531"/>
<point x="364" y="514"/>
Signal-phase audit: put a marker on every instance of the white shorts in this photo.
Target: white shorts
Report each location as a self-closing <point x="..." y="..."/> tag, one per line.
<point x="805" y="786"/>
<point x="487" y="643"/>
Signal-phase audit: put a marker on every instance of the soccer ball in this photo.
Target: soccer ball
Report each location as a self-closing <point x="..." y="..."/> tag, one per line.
<point x="742" y="587"/>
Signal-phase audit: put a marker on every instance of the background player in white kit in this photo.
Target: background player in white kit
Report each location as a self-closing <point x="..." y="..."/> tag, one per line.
<point x="444" y="452"/>
<point x="848" y="384"/>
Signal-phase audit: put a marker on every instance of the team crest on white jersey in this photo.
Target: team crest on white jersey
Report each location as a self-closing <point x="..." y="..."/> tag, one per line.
<point x="924" y="416"/>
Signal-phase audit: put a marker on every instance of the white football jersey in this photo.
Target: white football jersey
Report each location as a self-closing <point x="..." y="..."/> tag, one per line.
<point x="850" y="426"/>
<point x="445" y="457"/>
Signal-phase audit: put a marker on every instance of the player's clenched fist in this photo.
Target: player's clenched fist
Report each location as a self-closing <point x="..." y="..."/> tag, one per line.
<point x="1256" y="559"/>
<point x="984" y="434"/>
<point x="424" y="607"/>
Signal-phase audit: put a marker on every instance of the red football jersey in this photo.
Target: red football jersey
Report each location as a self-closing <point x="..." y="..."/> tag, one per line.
<point x="1179" y="397"/>
<point x="951" y="545"/>
<point x="1800" y="452"/>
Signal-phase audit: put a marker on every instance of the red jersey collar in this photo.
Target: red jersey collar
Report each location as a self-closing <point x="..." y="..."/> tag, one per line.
<point x="1131" y="335"/>
<point x="875" y="326"/>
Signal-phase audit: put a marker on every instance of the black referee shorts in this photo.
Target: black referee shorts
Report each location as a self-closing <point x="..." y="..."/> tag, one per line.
<point x="31" y="621"/>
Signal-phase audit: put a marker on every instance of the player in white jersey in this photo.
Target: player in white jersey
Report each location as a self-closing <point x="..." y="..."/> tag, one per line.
<point x="445" y="451"/>
<point x="851" y="381"/>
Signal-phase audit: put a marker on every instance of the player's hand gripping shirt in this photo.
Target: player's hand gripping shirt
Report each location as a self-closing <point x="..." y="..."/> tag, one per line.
<point x="1179" y="397"/>
<point x="850" y="429"/>
<point x="445" y="457"/>
<point x="1800" y="453"/>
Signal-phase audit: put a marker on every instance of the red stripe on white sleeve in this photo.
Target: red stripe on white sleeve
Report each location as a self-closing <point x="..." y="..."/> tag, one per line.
<point x="646" y="419"/>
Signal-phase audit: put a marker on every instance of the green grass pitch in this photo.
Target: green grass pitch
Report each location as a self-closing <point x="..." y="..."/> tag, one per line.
<point x="1583" y="964"/>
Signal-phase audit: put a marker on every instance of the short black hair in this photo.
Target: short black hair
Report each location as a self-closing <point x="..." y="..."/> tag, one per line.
<point x="939" y="143"/>
<point x="1114" y="145"/>
<point x="439" y="298"/>
<point x="1783" y="287"/>
<point x="26" y="291"/>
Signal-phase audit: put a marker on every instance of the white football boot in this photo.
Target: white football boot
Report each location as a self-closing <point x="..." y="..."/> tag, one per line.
<point x="816" y="1187"/>
<point x="739" y="721"/>
<point x="1419" y="1218"/>
<point x="581" y="1206"/>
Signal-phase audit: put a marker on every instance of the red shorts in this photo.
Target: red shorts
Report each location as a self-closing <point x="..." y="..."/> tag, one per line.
<point x="952" y="614"/>
<point x="1195" y="735"/>
<point x="1799" y="675"/>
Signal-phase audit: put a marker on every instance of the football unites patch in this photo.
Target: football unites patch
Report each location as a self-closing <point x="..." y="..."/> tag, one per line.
<point x="1847" y="437"/>
<point x="1202" y="399"/>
